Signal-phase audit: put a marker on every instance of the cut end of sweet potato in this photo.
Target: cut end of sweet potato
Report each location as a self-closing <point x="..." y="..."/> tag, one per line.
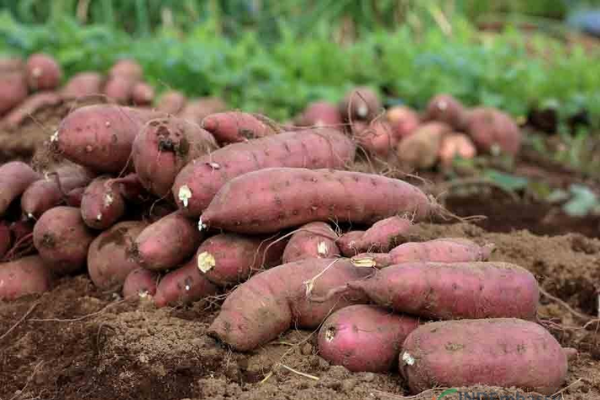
<point x="206" y="262"/>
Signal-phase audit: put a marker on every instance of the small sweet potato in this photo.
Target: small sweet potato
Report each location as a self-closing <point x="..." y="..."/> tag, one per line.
<point x="456" y="145"/>
<point x="15" y="178"/>
<point x="376" y="137"/>
<point x="447" y="109"/>
<point x="197" y="109"/>
<point x="320" y="114"/>
<point x="100" y="136"/>
<point x="167" y="242"/>
<point x="446" y="250"/>
<point x="227" y="258"/>
<point x="30" y="106"/>
<point x="163" y="147"/>
<point x="43" y="72"/>
<point x="82" y="85"/>
<point x="142" y="94"/>
<point x="199" y="181"/>
<point x="403" y="121"/>
<point x="27" y="275"/>
<point x="171" y="102"/>
<point x="313" y="240"/>
<point x="364" y="338"/>
<point x="128" y="68"/>
<point x="269" y="303"/>
<point x="119" y="89"/>
<point x="62" y="239"/>
<point x="420" y="149"/>
<point x="52" y="190"/>
<point x="381" y="237"/>
<point x="237" y="126"/>
<point x="505" y="352"/>
<point x="361" y="103"/>
<point x="110" y="255"/>
<point x="14" y="90"/>
<point x="490" y="128"/>
<point x="102" y="205"/>
<point x="74" y="197"/>
<point x="184" y="285"/>
<point x="140" y="282"/>
<point x="271" y="199"/>
<point x="454" y="290"/>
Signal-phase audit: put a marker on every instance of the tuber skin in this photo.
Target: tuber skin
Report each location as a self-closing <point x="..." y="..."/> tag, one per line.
<point x="25" y="276"/>
<point x="127" y="68"/>
<point x="43" y="72"/>
<point x="139" y="283"/>
<point x="381" y="237"/>
<point x="5" y="238"/>
<point x="236" y="126"/>
<point x="171" y="102"/>
<point x="102" y="205"/>
<point x="82" y="85"/>
<point x="456" y="145"/>
<point x="142" y="94"/>
<point x="490" y="128"/>
<point x="447" y="109"/>
<point x="15" y="178"/>
<point x="313" y="240"/>
<point x="196" y="110"/>
<point x="361" y="103"/>
<point x="320" y="114"/>
<point x="184" y="285"/>
<point x="403" y="121"/>
<point x="420" y="150"/>
<point x="376" y="138"/>
<point x="14" y="90"/>
<point x="30" y="106"/>
<point x="119" y="89"/>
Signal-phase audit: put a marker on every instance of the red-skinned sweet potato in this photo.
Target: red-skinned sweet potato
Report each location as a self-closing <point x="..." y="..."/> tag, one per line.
<point x="196" y="110"/>
<point x="364" y="338"/>
<point x="74" y="197"/>
<point x="43" y="72"/>
<point x="489" y="128"/>
<point x="376" y="138"/>
<point x="447" y="109"/>
<point x="140" y="282"/>
<point x="11" y="64"/>
<point x="273" y="301"/>
<point x="15" y="178"/>
<point x="361" y="103"/>
<point x="128" y="68"/>
<point x="183" y="286"/>
<point x="167" y="243"/>
<point x="237" y="126"/>
<point x="381" y="237"/>
<point x="142" y="94"/>
<point x="271" y="199"/>
<point x="119" y="89"/>
<point x="227" y="258"/>
<point x="171" y="102"/>
<point x="30" y="106"/>
<point x="62" y="239"/>
<point x="27" y="275"/>
<point x="14" y="90"/>
<point x="454" y="290"/>
<point x="313" y="240"/>
<point x="102" y="204"/>
<point x="420" y="149"/>
<point x="456" y="145"/>
<point x="199" y="181"/>
<point x="403" y="121"/>
<point x="110" y="255"/>
<point x="51" y="191"/>
<point x="82" y="85"/>
<point x="503" y="352"/>
<point x="100" y="136"/>
<point x="163" y="147"/>
<point x="320" y="114"/>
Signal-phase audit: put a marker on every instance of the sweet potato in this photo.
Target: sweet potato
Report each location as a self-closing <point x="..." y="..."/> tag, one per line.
<point x="420" y="149"/>
<point x="163" y="147"/>
<point x="11" y="64"/>
<point x="43" y="72"/>
<point x="27" y="275"/>
<point x="446" y="250"/>
<point x="127" y="68"/>
<point x="268" y="200"/>
<point x="503" y="352"/>
<point x="15" y="178"/>
<point x="119" y="89"/>
<point x="456" y="145"/>
<point x="140" y="282"/>
<point x="364" y="338"/>
<point x="131" y="188"/>
<point x="227" y="258"/>
<point x="5" y="238"/>
<point x="199" y="181"/>
<point x="100" y="136"/>
<point x="74" y="197"/>
<point x="30" y="106"/>
<point x="82" y="85"/>
<point x="171" y="102"/>
<point x="167" y="242"/>
<point x="360" y="103"/>
<point x="403" y="120"/>
<point x="381" y="237"/>
<point x="14" y="90"/>
<point x="62" y="239"/>
<point x="320" y="114"/>
<point x="142" y="94"/>
<point x="376" y="137"/>
<point x="490" y="128"/>
<point x="237" y="126"/>
<point x="52" y="190"/>
<point x="102" y="205"/>
<point x="313" y="240"/>
<point x="447" y="109"/>
<point x="184" y="285"/>
<point x="110" y="255"/>
<point x="196" y="110"/>
<point x="454" y="290"/>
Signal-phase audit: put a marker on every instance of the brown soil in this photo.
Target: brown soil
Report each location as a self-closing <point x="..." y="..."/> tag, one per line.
<point x="77" y="342"/>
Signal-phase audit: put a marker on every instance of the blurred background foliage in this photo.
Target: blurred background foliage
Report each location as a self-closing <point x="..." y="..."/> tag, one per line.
<point x="274" y="56"/>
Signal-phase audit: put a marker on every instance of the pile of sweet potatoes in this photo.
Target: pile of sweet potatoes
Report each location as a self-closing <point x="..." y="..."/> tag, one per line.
<point x="154" y="203"/>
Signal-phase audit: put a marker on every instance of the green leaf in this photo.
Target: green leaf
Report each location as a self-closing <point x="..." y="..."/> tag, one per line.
<point x="507" y="181"/>
<point x="582" y="203"/>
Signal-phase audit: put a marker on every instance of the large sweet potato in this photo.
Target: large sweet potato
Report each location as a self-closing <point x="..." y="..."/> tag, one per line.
<point x="198" y="182"/>
<point x="27" y="275"/>
<point x="163" y="147"/>
<point x="364" y="337"/>
<point x="15" y="178"/>
<point x="271" y="199"/>
<point x="313" y="240"/>
<point x="503" y="352"/>
<point x="273" y="301"/>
